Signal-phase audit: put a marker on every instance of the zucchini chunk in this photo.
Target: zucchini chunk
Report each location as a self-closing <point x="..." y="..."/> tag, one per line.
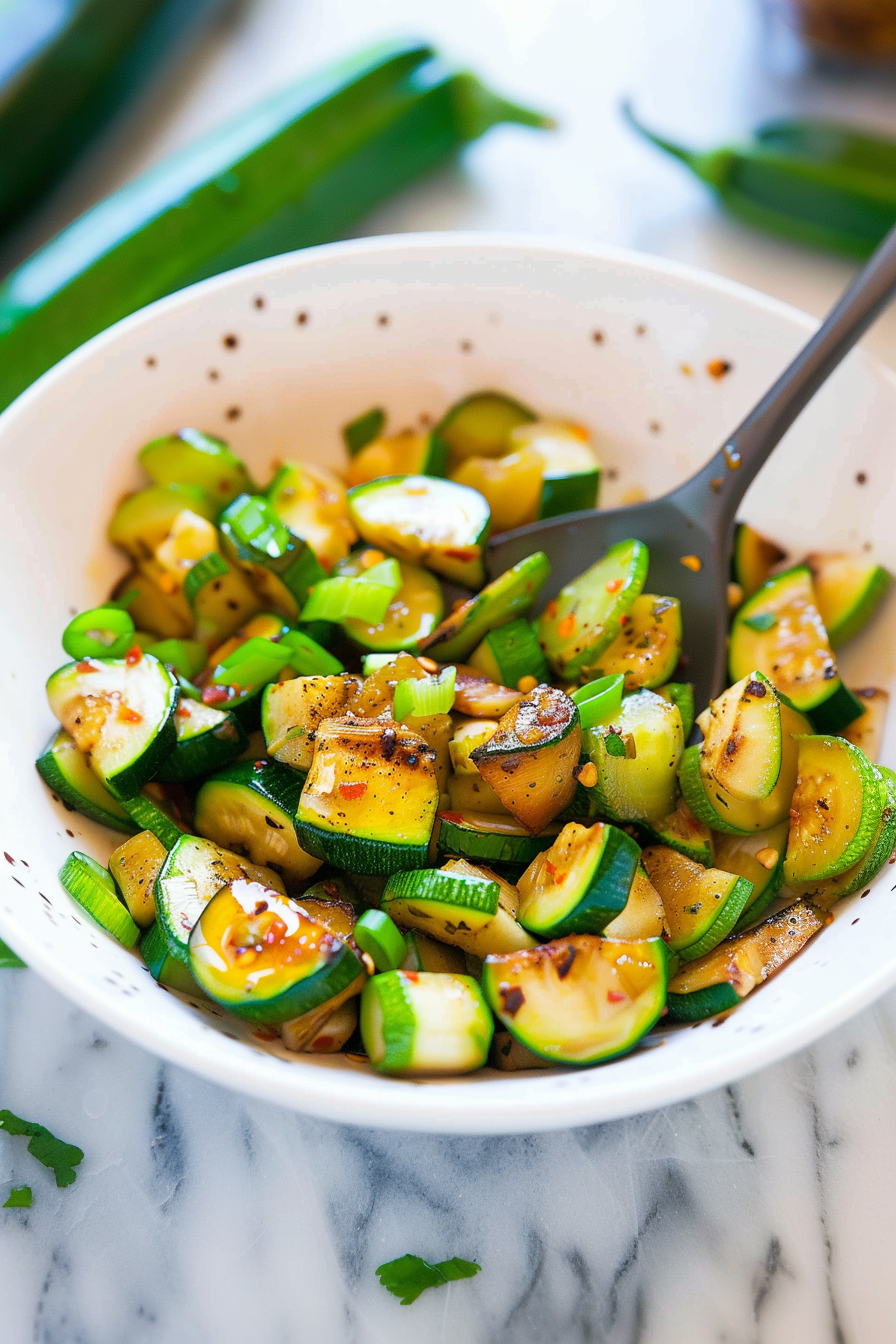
<point x="467" y="736"/>
<point x="848" y="590"/>
<point x="120" y="713"/>
<point x="260" y="955"/>
<point x="647" y="649"/>
<point x="529" y="761"/>
<point x="363" y="429"/>
<point x="425" y="520"/>
<point x="480" y="425"/>
<point x="579" y="1000"/>
<point x="191" y="874"/>
<point x="825" y="892"/>
<point x="220" y="598"/>
<point x="467" y="907"/>
<point x="637" y="756"/>
<point x="760" y="859"/>
<point x="779" y="631"/>
<point x="190" y="457"/>
<point x="422" y="1023"/>
<point x="249" y="808"/>
<point x="292" y="711"/>
<point x="583" y="621"/>
<point x="642" y="916"/>
<point x="428" y="954"/>
<point x="702" y="905"/>
<point x="66" y="770"/>
<point x="511" y="593"/>
<point x="480" y="697"/>
<point x="723" y="977"/>
<point x="411" y="616"/>
<point x="682" y="831"/>
<point x="164" y="967"/>
<point x="680" y="693"/>
<point x="93" y="887"/>
<point x="836" y="809"/>
<point x="403" y="454"/>
<point x="143" y="520"/>
<point x="166" y="615"/>
<point x="311" y="501"/>
<point x="570" y="470"/>
<point x="281" y="567"/>
<point x="510" y="654"/>
<point x="581" y="883"/>
<point x="491" y="837"/>
<point x="471" y="794"/>
<point x="867" y="731"/>
<point x="135" y="865"/>
<point x="753" y="559"/>
<point x="511" y="486"/>
<point x="370" y="799"/>
<point x="741" y="751"/>
<point x="207" y="738"/>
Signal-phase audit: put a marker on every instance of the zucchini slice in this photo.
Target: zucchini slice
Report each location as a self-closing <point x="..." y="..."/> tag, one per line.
<point x="480" y="425"/>
<point x="311" y="501"/>
<point x="292" y="711"/>
<point x="281" y="566"/>
<point x="163" y="965"/>
<point x="249" y="808"/>
<point x="166" y="615"/>
<point x="491" y="838"/>
<point x="680" y="693"/>
<point x="836" y="809"/>
<point x="825" y="892"/>
<point x="480" y="697"/>
<point x="867" y="731"/>
<point x="529" y="762"/>
<point x="425" y="520"/>
<point x="207" y="738"/>
<point x="511" y="654"/>
<point x="120" y="713"/>
<point x="741" y="751"/>
<point x="467" y="907"/>
<point x="511" y="485"/>
<point x="470" y="793"/>
<point x="637" y="757"/>
<point x="423" y="1023"/>
<point x="135" y="865"/>
<point x="190" y="457"/>
<point x="642" y="916"/>
<point x="581" y="883"/>
<point x="723" y="977"/>
<point x="499" y="601"/>
<point x="403" y="454"/>
<point x="220" y="598"/>
<point x="779" y="631"/>
<point x="760" y="859"/>
<point x="66" y="770"/>
<point x="570" y="471"/>
<point x="647" y="649"/>
<point x="702" y="905"/>
<point x="848" y="590"/>
<point x="576" y="628"/>
<point x="363" y="429"/>
<point x="411" y="616"/>
<point x="93" y="887"/>
<point x="753" y="559"/>
<point x="191" y="874"/>
<point x="143" y="520"/>
<point x="260" y="955"/>
<point x="370" y="799"/>
<point x="682" y="831"/>
<point x="579" y="1000"/>
<point x="428" y="954"/>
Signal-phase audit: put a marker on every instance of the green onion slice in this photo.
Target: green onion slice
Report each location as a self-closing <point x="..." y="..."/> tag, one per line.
<point x="93" y="887"/>
<point x="186" y="656"/>
<point x="373" y="662"/>
<point x="254" y="663"/>
<point x="210" y="567"/>
<point x="599" y="700"/>
<point x="379" y="936"/>
<point x="102" y="632"/>
<point x="364" y="597"/>
<point x="425" y="695"/>
<point x="307" y="657"/>
<point x="255" y="522"/>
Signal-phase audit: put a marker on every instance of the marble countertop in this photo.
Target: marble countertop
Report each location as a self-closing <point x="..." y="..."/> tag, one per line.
<point x="758" y="1214"/>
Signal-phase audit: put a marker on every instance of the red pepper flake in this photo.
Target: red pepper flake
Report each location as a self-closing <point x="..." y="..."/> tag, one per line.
<point x="128" y="715"/>
<point x="183" y="709"/>
<point x="133" y="655"/>
<point x="566" y="627"/>
<point x="462" y="553"/>
<point x="412" y="976"/>
<point x="551" y="610"/>
<point x="614" y="996"/>
<point x="556" y="876"/>
<point x="215" y="695"/>
<point x="456" y="817"/>
<point x="624" y="620"/>
<point x="613" y="585"/>
<point x="88" y="666"/>
<point x="353" y="791"/>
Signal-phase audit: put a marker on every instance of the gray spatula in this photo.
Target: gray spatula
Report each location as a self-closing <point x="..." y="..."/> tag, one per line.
<point x="697" y="518"/>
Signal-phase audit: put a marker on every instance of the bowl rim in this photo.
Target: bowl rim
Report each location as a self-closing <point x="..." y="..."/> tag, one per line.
<point x="453" y="1107"/>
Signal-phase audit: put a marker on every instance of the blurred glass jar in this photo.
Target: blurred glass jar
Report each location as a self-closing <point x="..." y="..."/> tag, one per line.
<point x="857" y="29"/>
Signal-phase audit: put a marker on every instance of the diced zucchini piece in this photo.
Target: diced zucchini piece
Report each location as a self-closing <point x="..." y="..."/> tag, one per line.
<point x="753" y="559"/>
<point x="529" y="761"/>
<point x="135" y="865"/>
<point x="510" y="654"/>
<point x="491" y="838"/>
<point x="480" y="425"/>
<point x="637" y="756"/>
<point x="867" y="731"/>
<point x="311" y="502"/>
<point x="702" y="905"/>
<point x="423" y="1023"/>
<point x="570" y="470"/>
<point x="741" y="751"/>
<point x="760" y="859"/>
<point x="511" y="485"/>
<point x="581" y="883"/>
<point x="369" y="802"/>
<point x="836" y="809"/>
<point x="468" y="907"/>
<point x="120" y="713"/>
<point x="468" y="735"/>
<point x="191" y="874"/>
<point x="428" y="954"/>
<point x="470" y="793"/>
<point x="647" y="648"/>
<point x="93" y="887"/>
<point x="281" y="566"/>
<point x="825" y="892"/>
<point x="586" y="617"/>
<point x="163" y="966"/>
<point x="166" y="614"/>
<point x="67" y="771"/>
<point x="152" y="812"/>
<point x="249" y="808"/>
<point x="207" y="738"/>
<point x="642" y="916"/>
<point x="221" y="599"/>
<point x="411" y="616"/>
<point x="260" y="955"/>
<point x="848" y="589"/>
<point x="723" y="977"/>
<point x="480" y="697"/>
<point x="144" y="519"/>
<point x="363" y="430"/>
<point x="292" y="711"/>
<point x="424" y="520"/>
<point x="682" y="831"/>
<point x="505" y="597"/>
<point x="680" y="693"/>
<point x="189" y="539"/>
<point x="404" y="454"/>
<point x="779" y="631"/>
<point x="190" y="457"/>
<point x="579" y="1000"/>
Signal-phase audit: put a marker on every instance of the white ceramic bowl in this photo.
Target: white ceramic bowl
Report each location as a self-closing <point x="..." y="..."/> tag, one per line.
<point x="618" y="340"/>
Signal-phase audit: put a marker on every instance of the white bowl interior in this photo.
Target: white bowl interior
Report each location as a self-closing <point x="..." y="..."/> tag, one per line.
<point x="616" y="340"/>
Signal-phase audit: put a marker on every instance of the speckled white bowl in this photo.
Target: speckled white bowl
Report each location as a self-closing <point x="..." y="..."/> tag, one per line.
<point x="276" y="357"/>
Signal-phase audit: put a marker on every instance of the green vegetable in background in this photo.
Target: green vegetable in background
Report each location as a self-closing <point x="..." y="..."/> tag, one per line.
<point x="20" y="1197"/>
<point x="8" y="958"/>
<point x="297" y="169"/>
<point x="409" y="1276"/>
<point x="61" y="1158"/>
<point x="813" y="181"/>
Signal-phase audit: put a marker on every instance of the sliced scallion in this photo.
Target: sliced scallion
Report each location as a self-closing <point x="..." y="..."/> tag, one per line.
<point x="380" y="937"/>
<point x="425" y="695"/>
<point x="186" y="656"/>
<point x="254" y="663"/>
<point x="93" y="887"/>
<point x="364" y="597"/>
<point x="599" y="700"/>
<point x="256" y="523"/>
<point x="307" y="657"/>
<point x="102" y="632"/>
<point x="373" y="662"/>
<point x="210" y="567"/>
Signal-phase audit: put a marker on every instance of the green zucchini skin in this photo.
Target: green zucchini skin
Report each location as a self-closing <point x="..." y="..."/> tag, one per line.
<point x="163" y="965"/>
<point x="512" y="593"/>
<point x="470" y="836"/>
<point x="702" y="1003"/>
<point x="64" y="769"/>
<point x="250" y="806"/>
<point x="296" y="170"/>
<point x="594" y="897"/>
<point x="198" y="753"/>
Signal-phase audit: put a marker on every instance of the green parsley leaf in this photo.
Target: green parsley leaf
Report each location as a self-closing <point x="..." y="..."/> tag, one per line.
<point x="19" y="1197"/>
<point x="409" y="1276"/>
<point x="8" y="958"/>
<point x="60" y="1157"/>
<point x="614" y="744"/>
<point x="762" y="621"/>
